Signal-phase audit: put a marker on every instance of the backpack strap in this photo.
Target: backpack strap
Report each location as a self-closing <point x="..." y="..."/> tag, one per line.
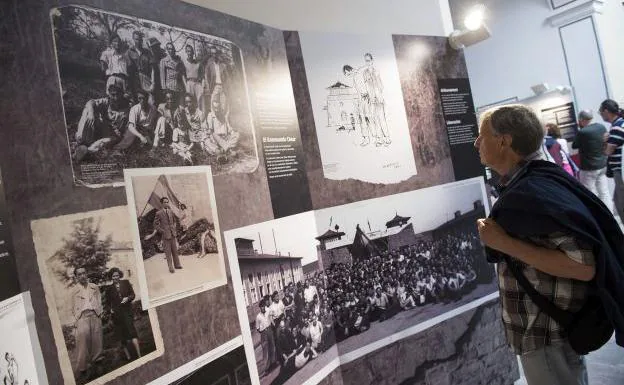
<point x="562" y="317"/>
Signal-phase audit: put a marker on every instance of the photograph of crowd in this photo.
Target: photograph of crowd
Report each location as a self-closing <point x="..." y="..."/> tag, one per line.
<point x="137" y="93"/>
<point x="90" y="277"/>
<point x="359" y="287"/>
<point x="176" y="232"/>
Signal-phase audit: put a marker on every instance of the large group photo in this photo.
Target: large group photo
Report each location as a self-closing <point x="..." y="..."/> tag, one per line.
<point x="384" y="271"/>
<point x="142" y="94"/>
<point x="371" y="275"/>
<point x="90" y="277"/>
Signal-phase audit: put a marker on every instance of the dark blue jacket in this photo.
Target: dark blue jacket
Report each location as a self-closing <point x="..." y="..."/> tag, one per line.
<point x="543" y="199"/>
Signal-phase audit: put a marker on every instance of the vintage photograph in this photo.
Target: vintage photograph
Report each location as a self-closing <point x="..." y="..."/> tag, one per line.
<point x="21" y="361"/>
<point x="288" y="337"/>
<point x="358" y="107"/>
<point x="347" y="280"/>
<point x="389" y="264"/>
<point x="89" y="275"/>
<point x="177" y="241"/>
<point x="137" y="93"/>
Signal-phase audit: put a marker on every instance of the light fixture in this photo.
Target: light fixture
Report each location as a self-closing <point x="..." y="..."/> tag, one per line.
<point x="475" y="29"/>
<point x="475" y="17"/>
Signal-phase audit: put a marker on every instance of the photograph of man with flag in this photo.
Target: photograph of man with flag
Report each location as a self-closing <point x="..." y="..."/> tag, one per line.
<point x="176" y="238"/>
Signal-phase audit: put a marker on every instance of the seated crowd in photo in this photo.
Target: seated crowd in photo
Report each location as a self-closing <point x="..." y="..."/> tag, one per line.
<point x="158" y="100"/>
<point x="343" y="300"/>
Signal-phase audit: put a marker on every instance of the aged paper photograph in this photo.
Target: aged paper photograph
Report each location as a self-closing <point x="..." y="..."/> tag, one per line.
<point x="137" y="93"/>
<point x="21" y="361"/>
<point x="91" y="281"/>
<point x="175" y="229"/>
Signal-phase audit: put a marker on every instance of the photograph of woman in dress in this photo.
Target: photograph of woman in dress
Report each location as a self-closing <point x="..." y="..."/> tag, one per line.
<point x="120" y="295"/>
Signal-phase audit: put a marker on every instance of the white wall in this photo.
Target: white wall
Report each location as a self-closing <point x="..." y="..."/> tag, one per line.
<point x="610" y="25"/>
<point x="523" y="50"/>
<point x="418" y="17"/>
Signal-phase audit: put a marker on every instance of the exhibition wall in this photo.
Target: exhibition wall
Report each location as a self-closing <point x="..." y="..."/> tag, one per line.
<point x="332" y="168"/>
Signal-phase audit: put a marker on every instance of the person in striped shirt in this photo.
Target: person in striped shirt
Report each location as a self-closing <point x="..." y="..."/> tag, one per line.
<point x="613" y="114"/>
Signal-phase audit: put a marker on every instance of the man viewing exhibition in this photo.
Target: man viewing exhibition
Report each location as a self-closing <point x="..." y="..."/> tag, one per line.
<point x="547" y="232"/>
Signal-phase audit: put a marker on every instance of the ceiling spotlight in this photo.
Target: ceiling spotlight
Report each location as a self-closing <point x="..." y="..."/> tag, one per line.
<point x="466" y="38"/>
<point x="474" y="19"/>
<point x="475" y="29"/>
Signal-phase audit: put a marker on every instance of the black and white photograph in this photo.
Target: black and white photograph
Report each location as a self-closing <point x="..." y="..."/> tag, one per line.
<point x="137" y="93"/>
<point x="287" y="335"/>
<point x="391" y="264"/>
<point x="176" y="234"/>
<point x="21" y="361"/>
<point x="90" y="279"/>
<point x="358" y="107"/>
<point x="373" y="272"/>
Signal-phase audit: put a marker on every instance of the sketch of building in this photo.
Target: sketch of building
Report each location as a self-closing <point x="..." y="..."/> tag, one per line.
<point x="341" y="108"/>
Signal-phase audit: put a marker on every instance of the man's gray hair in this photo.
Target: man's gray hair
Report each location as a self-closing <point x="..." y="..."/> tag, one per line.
<point x="585" y="115"/>
<point x="521" y="123"/>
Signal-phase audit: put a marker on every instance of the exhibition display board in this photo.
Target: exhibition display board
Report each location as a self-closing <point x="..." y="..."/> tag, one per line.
<point x="195" y="198"/>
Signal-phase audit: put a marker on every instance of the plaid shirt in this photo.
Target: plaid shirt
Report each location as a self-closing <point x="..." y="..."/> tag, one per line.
<point x="526" y="326"/>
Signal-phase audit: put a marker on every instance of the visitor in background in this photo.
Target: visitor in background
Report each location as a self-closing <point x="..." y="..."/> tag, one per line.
<point x="590" y="144"/>
<point x="558" y="148"/>
<point x="611" y="113"/>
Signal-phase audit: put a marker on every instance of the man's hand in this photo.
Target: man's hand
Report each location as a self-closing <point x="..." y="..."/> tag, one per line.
<point x="492" y="234"/>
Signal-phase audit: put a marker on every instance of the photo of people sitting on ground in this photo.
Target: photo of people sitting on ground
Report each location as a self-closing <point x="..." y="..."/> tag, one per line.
<point x="342" y="301"/>
<point x="371" y="278"/>
<point x="142" y="94"/>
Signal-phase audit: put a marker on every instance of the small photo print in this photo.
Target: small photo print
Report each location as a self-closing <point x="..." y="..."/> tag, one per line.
<point x="89" y="275"/>
<point x="137" y="93"/>
<point x="21" y="361"/>
<point x="177" y="241"/>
